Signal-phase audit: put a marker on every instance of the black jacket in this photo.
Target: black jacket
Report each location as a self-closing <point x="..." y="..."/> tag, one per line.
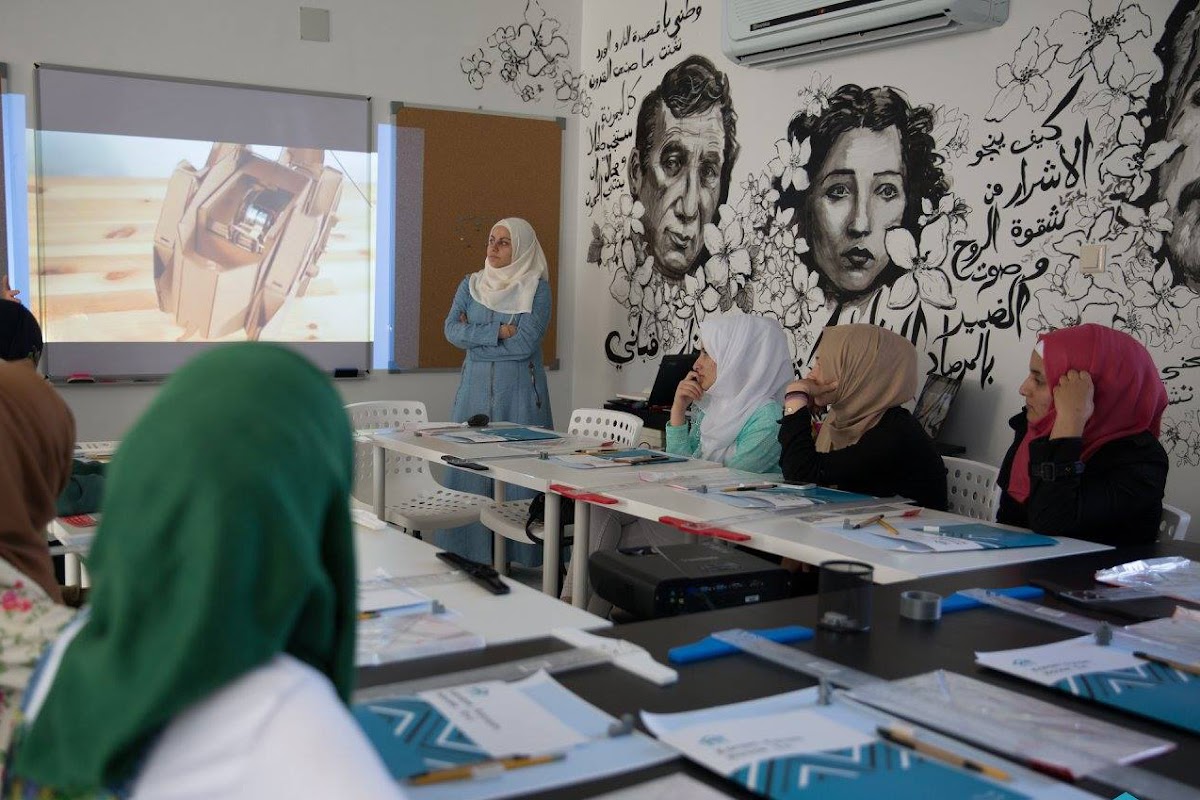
<point x="894" y="457"/>
<point x="1117" y="499"/>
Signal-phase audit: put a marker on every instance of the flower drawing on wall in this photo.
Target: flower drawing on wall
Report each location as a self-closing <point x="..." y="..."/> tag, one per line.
<point x="532" y="55"/>
<point x="476" y="68"/>
<point x="923" y="264"/>
<point x="1023" y="80"/>
<point x="1095" y="37"/>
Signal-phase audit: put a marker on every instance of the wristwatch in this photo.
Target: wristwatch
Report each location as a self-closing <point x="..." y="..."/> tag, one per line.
<point x="1053" y="471"/>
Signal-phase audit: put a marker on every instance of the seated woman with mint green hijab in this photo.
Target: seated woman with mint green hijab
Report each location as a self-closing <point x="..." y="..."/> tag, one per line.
<point x="217" y="657"/>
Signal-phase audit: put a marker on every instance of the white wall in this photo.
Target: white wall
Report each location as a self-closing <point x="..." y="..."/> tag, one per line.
<point x="391" y="50"/>
<point x="1016" y="288"/>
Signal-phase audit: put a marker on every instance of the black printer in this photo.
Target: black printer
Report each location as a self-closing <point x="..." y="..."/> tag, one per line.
<point x="666" y="581"/>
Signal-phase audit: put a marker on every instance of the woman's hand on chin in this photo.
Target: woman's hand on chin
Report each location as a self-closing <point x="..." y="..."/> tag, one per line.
<point x="688" y="392"/>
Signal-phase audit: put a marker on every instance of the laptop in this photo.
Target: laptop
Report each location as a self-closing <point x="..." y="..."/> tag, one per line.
<point x="933" y="405"/>
<point x="671" y="371"/>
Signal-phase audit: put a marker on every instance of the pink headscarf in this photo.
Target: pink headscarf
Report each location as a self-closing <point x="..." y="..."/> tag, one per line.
<point x="1129" y="394"/>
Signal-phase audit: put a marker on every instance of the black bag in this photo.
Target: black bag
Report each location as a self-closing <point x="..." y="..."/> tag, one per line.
<point x="537" y="515"/>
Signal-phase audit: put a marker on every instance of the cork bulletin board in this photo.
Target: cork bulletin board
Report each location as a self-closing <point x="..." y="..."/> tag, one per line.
<point x="457" y="174"/>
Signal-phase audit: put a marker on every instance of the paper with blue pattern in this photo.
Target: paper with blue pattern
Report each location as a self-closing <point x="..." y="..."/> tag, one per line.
<point x="788" y="746"/>
<point x="1107" y="675"/>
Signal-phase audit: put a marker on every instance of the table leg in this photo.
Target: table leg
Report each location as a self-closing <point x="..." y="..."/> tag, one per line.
<point x="71" y="568"/>
<point x="579" y="555"/>
<point x="499" y="543"/>
<point x="551" y="554"/>
<point x="378" y="479"/>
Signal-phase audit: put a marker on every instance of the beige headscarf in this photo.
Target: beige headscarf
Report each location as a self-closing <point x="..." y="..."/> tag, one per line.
<point x="510" y="289"/>
<point x="37" y="437"/>
<point x="875" y="369"/>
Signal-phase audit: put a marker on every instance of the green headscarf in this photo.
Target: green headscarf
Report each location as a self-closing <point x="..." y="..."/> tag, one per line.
<point x="225" y="540"/>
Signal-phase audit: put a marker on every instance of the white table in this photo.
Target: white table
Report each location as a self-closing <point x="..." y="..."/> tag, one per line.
<point x="527" y="471"/>
<point x="523" y="613"/>
<point x="812" y="544"/>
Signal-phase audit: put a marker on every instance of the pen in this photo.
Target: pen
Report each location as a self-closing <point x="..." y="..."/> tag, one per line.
<point x="905" y="738"/>
<point x="864" y="523"/>
<point x="883" y="523"/>
<point x="750" y="487"/>
<point x="483" y="769"/>
<point x="1180" y="666"/>
<point x="596" y="451"/>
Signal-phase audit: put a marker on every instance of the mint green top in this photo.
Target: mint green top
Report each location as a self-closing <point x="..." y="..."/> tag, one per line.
<point x="756" y="448"/>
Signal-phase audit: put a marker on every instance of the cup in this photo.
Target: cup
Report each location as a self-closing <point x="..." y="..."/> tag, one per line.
<point x="844" y="595"/>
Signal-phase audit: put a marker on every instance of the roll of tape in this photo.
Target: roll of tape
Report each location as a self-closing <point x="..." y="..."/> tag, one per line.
<point x="921" y="606"/>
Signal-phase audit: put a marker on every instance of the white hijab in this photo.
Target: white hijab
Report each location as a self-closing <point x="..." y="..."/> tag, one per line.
<point x="754" y="366"/>
<point x="510" y="289"/>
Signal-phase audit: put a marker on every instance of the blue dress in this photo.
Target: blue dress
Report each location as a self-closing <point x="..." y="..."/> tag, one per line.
<point x="505" y="380"/>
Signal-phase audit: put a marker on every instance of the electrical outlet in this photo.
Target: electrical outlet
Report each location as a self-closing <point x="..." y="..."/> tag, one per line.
<point x="1091" y="259"/>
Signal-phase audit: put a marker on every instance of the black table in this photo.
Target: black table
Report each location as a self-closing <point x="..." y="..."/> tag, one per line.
<point x="894" y="648"/>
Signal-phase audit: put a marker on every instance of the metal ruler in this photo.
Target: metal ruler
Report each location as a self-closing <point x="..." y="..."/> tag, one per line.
<point x="414" y="581"/>
<point x="1121" y="636"/>
<point x="795" y="660"/>
<point x="553" y="663"/>
<point x="1145" y="785"/>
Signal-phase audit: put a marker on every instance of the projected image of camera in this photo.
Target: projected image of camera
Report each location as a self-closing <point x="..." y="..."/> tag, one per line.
<point x="240" y="236"/>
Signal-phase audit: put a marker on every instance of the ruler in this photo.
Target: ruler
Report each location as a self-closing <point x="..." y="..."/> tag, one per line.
<point x="1145" y="785"/>
<point x="1121" y="636"/>
<point x="554" y="663"/>
<point x="414" y="581"/>
<point x="795" y="660"/>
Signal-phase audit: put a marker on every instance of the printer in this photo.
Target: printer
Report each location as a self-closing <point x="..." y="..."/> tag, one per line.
<point x="650" y="582"/>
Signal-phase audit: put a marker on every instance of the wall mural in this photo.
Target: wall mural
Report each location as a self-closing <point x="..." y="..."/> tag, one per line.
<point x="856" y="217"/>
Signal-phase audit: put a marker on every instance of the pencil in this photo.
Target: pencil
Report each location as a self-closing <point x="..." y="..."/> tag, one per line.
<point x="482" y="768"/>
<point x="1179" y="666"/>
<point x="904" y="737"/>
<point x="864" y="523"/>
<point x="883" y="523"/>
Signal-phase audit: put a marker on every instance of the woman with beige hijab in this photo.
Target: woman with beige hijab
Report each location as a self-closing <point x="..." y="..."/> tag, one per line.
<point x="37" y="435"/>
<point x="868" y="442"/>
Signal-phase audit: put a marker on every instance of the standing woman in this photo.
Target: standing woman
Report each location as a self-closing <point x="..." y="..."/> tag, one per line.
<point x="499" y="317"/>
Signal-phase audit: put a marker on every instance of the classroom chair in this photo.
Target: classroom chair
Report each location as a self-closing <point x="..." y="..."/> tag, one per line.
<point x="971" y="488"/>
<point x="414" y="500"/>
<point x="508" y="519"/>
<point x="1174" y="523"/>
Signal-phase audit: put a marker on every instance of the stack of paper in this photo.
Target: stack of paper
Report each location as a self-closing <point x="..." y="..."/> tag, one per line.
<point x="943" y="538"/>
<point x="491" y="435"/>
<point x="1021" y="727"/>
<point x="789" y="746"/>
<point x="404" y="636"/>
<point x="1109" y="675"/>
<point x="480" y="722"/>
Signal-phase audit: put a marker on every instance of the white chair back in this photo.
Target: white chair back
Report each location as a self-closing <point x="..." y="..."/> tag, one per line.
<point x="620" y="427"/>
<point x="1174" y="523"/>
<point x="404" y="473"/>
<point x="971" y="488"/>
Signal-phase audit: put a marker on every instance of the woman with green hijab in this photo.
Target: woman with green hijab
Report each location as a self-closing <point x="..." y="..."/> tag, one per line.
<point x="217" y="657"/>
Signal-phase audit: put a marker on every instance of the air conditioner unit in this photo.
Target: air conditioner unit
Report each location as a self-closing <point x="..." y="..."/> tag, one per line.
<point x="774" y="33"/>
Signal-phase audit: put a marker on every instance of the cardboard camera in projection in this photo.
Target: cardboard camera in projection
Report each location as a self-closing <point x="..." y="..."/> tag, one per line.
<point x="238" y="237"/>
